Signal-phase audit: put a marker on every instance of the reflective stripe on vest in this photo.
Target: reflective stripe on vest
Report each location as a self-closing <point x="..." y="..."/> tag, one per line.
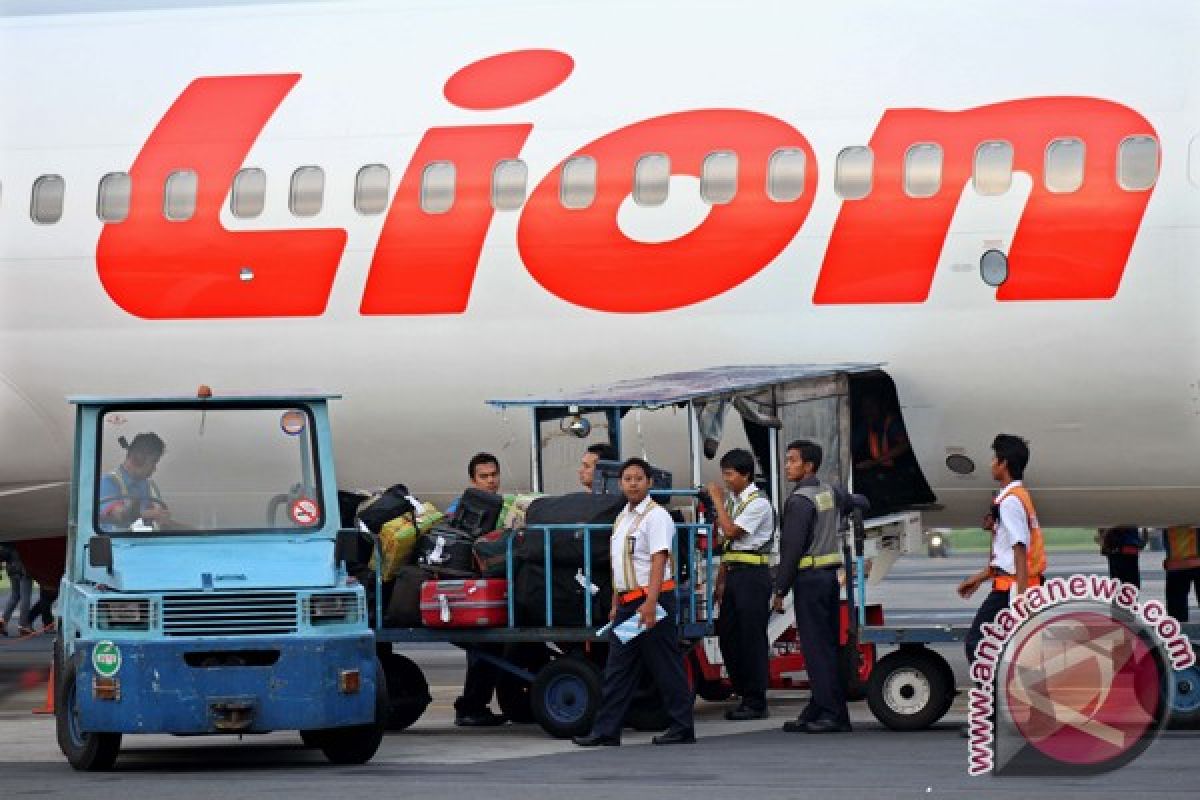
<point x="1183" y="550"/>
<point x="1035" y="553"/>
<point x="824" y="549"/>
<point x="760" y="554"/>
<point x="124" y="487"/>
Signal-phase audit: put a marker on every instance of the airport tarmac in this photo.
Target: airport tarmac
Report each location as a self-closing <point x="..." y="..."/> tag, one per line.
<point x="435" y="759"/>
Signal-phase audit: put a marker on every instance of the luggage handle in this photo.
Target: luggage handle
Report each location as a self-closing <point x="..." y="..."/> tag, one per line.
<point x="444" y="606"/>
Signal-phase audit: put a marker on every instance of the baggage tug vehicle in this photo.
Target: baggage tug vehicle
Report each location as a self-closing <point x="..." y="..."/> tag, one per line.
<point x="206" y="598"/>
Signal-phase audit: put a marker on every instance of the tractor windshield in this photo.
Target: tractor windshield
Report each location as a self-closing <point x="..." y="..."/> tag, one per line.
<point x="216" y="469"/>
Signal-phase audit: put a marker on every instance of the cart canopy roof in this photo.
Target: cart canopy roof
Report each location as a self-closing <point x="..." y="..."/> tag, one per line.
<point x="219" y="397"/>
<point x="680" y="387"/>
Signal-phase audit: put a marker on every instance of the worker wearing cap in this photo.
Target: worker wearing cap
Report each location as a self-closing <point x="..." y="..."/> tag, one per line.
<point x="640" y="553"/>
<point x="746" y="523"/>
<point x="809" y="558"/>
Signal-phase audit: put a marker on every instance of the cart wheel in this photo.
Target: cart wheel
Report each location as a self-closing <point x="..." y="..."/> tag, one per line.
<point x="908" y="689"/>
<point x="1185" y="703"/>
<point x="408" y="691"/>
<point x="565" y="696"/>
<point x="512" y="693"/>
<point x="86" y="752"/>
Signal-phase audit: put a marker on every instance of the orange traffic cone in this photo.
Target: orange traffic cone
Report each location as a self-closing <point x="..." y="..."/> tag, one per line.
<point x="48" y="708"/>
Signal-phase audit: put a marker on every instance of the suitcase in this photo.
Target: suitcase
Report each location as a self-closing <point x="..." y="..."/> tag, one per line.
<point x="403" y="608"/>
<point x="475" y="603"/>
<point x="447" y="551"/>
<point x="477" y="512"/>
<point x="385" y="507"/>
<point x="566" y="598"/>
<point x="566" y="548"/>
<point x="398" y="538"/>
<point x="491" y="551"/>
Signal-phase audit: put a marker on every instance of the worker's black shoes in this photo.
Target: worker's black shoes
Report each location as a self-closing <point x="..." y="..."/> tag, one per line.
<point x="745" y="712"/>
<point x="592" y="740"/>
<point x="822" y="725"/>
<point x="479" y="719"/>
<point x="685" y="736"/>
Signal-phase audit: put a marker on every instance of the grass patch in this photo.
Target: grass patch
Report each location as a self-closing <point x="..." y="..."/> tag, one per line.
<point x="1061" y="539"/>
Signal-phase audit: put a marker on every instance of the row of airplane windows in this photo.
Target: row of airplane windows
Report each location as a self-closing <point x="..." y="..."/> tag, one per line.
<point x="1137" y="170"/>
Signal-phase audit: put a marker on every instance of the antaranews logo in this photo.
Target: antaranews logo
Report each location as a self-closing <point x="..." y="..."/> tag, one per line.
<point x="1074" y="676"/>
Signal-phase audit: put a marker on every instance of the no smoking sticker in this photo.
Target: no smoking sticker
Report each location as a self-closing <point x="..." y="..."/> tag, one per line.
<point x="304" y="511"/>
<point x="106" y="659"/>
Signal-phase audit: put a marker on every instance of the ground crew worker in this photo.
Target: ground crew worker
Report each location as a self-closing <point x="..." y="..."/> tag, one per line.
<point x="1121" y="545"/>
<point x="640" y="553"/>
<point x="1183" y="569"/>
<point x="746" y="523"/>
<point x="128" y="494"/>
<point x="1018" y="553"/>
<point x="587" y="462"/>
<point x="809" y="559"/>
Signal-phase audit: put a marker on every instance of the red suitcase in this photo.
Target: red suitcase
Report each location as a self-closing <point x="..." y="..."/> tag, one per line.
<point x="475" y="603"/>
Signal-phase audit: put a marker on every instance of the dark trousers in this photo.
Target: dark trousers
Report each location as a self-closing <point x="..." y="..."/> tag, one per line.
<point x="742" y="629"/>
<point x="993" y="604"/>
<point x="19" y="599"/>
<point x="480" y="683"/>
<point x="1124" y="567"/>
<point x="656" y="651"/>
<point x="815" y="598"/>
<point x="1179" y="583"/>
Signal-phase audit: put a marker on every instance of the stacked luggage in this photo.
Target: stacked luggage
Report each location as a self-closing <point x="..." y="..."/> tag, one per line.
<point x="452" y="572"/>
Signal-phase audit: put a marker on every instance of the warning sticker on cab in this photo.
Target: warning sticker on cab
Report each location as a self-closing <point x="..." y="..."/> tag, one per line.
<point x="304" y="511"/>
<point x="106" y="659"/>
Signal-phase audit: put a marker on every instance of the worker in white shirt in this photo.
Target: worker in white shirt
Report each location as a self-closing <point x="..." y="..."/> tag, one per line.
<point x="746" y="523"/>
<point x="1018" y="558"/>
<point x="640" y="553"/>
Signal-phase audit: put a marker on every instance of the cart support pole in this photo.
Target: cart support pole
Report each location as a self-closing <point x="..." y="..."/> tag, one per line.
<point x="694" y="440"/>
<point x="535" y="451"/>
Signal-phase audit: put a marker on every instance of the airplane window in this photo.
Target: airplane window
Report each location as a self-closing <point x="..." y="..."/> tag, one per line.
<point x="651" y="177"/>
<point x="993" y="168"/>
<point x="1137" y="163"/>
<point x="249" y="194"/>
<point x="179" y="195"/>
<point x="577" y="187"/>
<point x="718" y="177"/>
<point x="509" y="180"/>
<point x="371" y="189"/>
<point x="46" y="206"/>
<point x="923" y="170"/>
<point x="308" y="191"/>
<point x="1064" y="165"/>
<point x="785" y="175"/>
<point x="112" y="198"/>
<point x="437" y="187"/>
<point x="852" y="173"/>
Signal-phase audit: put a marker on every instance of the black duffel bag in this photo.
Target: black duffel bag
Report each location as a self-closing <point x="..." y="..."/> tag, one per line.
<point x="477" y="512"/>
<point x="566" y="596"/>
<point x="567" y="546"/>
<point x="390" y="504"/>
<point x="403" y="609"/>
<point x="447" y="551"/>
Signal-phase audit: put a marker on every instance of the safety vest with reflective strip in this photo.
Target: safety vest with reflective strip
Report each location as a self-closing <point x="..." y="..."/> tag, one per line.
<point x="124" y="487"/>
<point x="758" y="555"/>
<point x="1183" y="550"/>
<point x="1035" y="553"/>
<point x="823" y="550"/>
<point x="630" y="573"/>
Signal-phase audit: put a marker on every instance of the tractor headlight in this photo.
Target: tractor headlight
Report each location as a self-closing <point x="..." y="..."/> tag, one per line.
<point x="338" y="608"/>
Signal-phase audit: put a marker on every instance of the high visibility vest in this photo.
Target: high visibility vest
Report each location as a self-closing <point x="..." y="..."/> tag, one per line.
<point x="124" y="487"/>
<point x="1035" y="553"/>
<point x="758" y="555"/>
<point x="878" y="443"/>
<point x="824" y="549"/>
<point x="1183" y="549"/>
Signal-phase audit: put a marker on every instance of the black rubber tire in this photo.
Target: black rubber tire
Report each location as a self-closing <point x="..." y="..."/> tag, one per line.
<point x="408" y="691"/>
<point x="908" y="689"/>
<point x="513" y="694"/>
<point x="86" y="752"/>
<point x="356" y="744"/>
<point x="565" y="696"/>
<point x="311" y="739"/>
<point x="1185" y="712"/>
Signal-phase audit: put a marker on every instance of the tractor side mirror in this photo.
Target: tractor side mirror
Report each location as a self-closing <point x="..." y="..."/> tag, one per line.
<point x="346" y="546"/>
<point x="100" y="552"/>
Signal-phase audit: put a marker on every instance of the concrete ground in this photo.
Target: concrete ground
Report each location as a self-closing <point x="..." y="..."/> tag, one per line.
<point x="435" y="759"/>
